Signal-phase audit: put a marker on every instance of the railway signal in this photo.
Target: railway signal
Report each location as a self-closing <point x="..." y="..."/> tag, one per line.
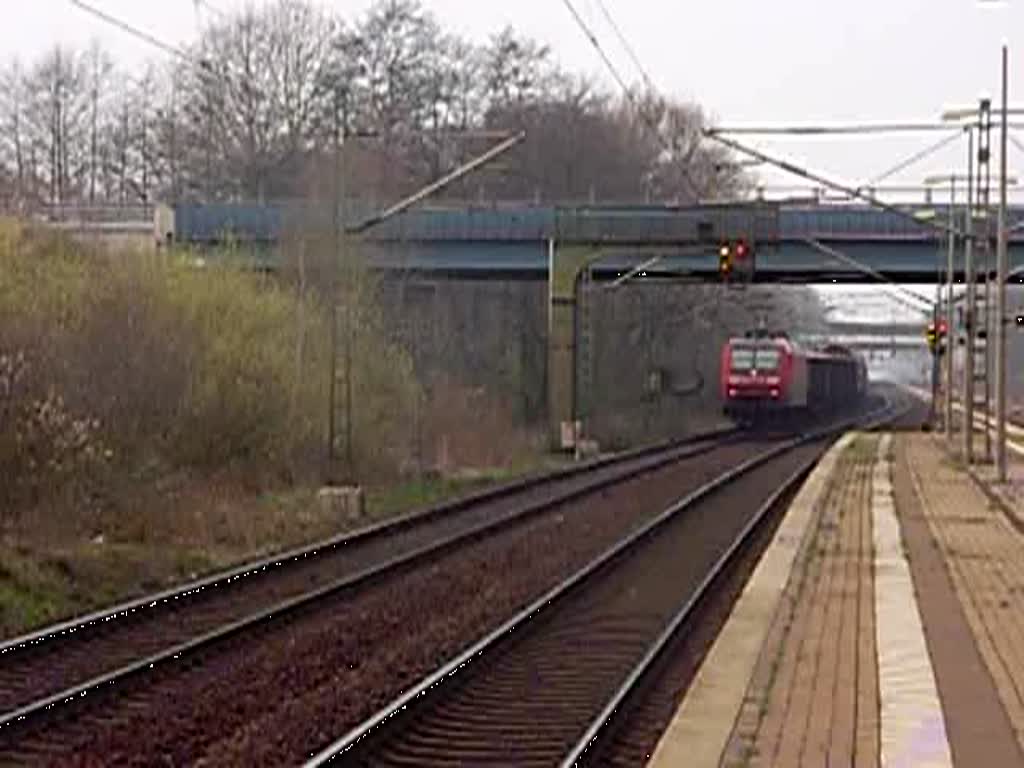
<point x="932" y="336"/>
<point x="725" y="260"/>
<point x="736" y="256"/>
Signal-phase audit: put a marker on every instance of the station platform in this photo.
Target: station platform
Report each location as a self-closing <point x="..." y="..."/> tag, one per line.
<point x="884" y="624"/>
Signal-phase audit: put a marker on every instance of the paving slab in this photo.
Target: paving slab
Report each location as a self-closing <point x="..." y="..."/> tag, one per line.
<point x="968" y="557"/>
<point x="833" y="663"/>
<point x="700" y="734"/>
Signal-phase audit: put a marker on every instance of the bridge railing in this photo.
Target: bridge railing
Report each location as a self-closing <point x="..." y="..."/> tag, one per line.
<point x="94" y="214"/>
<point x="521" y="222"/>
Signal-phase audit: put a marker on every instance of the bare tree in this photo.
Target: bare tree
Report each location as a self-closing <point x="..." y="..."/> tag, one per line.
<point x="396" y="43"/>
<point x="56" y="118"/>
<point x="302" y="42"/>
<point x="260" y="98"/>
<point x="518" y="70"/>
<point x="99" y="70"/>
<point x="686" y="167"/>
<point x="247" y="110"/>
<point x="14" y="158"/>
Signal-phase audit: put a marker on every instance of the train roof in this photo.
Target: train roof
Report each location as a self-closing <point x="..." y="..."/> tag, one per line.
<point x="828" y="351"/>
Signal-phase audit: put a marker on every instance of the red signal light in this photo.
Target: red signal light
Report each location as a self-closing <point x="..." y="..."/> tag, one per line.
<point x="943" y="328"/>
<point x="741" y="250"/>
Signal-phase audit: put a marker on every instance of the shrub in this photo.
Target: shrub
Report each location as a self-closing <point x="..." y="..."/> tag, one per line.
<point x="154" y="364"/>
<point x="43" y="444"/>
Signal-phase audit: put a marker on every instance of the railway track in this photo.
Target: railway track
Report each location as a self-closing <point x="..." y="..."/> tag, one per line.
<point x="554" y="684"/>
<point x="41" y="672"/>
<point x="186" y="673"/>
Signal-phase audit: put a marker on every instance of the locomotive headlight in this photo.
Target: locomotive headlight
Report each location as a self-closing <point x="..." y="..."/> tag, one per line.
<point x="732" y="392"/>
<point x="775" y="393"/>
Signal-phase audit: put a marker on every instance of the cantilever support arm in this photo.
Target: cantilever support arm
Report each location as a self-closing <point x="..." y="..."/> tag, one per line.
<point x="436" y="186"/>
<point x="817" y="178"/>
<point x="909" y="298"/>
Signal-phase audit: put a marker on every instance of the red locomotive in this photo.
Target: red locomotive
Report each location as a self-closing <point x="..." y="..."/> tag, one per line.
<point x="766" y="377"/>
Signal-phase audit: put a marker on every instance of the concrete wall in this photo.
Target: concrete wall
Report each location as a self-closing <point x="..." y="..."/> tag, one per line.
<point x="654" y="348"/>
<point x="489" y="336"/>
<point x="655" y="363"/>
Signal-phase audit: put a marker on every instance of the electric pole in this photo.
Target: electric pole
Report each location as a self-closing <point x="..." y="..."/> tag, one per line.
<point x="332" y="291"/>
<point x="950" y="258"/>
<point x="1001" y="278"/>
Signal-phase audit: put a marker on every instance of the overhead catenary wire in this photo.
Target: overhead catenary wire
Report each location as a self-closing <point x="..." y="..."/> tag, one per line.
<point x="624" y="42"/>
<point x="588" y="32"/>
<point x="211" y="8"/>
<point x="133" y="31"/>
<point x="819" y="179"/>
<point x="628" y="92"/>
<point x="202" y="67"/>
<point x="915" y="158"/>
<point x="1016" y="142"/>
<point x="898" y="292"/>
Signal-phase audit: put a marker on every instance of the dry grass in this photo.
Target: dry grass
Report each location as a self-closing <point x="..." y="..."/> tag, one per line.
<point x="49" y="576"/>
<point x="468" y="428"/>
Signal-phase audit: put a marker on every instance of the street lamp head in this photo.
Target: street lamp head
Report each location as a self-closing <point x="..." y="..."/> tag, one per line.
<point x="958" y="114"/>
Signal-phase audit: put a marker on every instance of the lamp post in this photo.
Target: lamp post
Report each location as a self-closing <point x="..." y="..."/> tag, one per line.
<point x="950" y="258"/>
<point x="973" y="115"/>
<point x="938" y="181"/>
<point x="928" y="215"/>
<point x="1002" y="275"/>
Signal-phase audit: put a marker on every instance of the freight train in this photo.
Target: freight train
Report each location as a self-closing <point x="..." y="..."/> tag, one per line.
<point x="768" y="378"/>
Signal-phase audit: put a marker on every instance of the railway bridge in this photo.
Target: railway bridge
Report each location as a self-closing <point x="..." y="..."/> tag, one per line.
<point x="563" y="245"/>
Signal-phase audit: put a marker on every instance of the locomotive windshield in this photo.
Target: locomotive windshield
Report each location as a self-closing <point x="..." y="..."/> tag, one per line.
<point x="755" y="358"/>
<point x="767" y="359"/>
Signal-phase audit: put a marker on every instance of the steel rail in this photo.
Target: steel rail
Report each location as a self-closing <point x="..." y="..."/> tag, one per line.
<point x="671" y="453"/>
<point x="600" y="726"/>
<point x="383" y="528"/>
<point x="517" y="623"/>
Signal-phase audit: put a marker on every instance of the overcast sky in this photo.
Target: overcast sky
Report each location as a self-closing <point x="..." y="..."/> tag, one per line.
<point x="745" y="61"/>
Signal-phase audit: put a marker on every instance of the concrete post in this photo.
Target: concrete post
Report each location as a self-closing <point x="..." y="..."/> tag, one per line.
<point x="564" y="264"/>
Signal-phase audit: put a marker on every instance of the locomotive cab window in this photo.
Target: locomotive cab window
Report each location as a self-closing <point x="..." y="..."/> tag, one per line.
<point x="758" y="358"/>
<point x="768" y="359"/>
<point x="742" y="358"/>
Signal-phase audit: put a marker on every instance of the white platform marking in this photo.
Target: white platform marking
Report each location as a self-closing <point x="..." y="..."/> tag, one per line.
<point x="913" y="730"/>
